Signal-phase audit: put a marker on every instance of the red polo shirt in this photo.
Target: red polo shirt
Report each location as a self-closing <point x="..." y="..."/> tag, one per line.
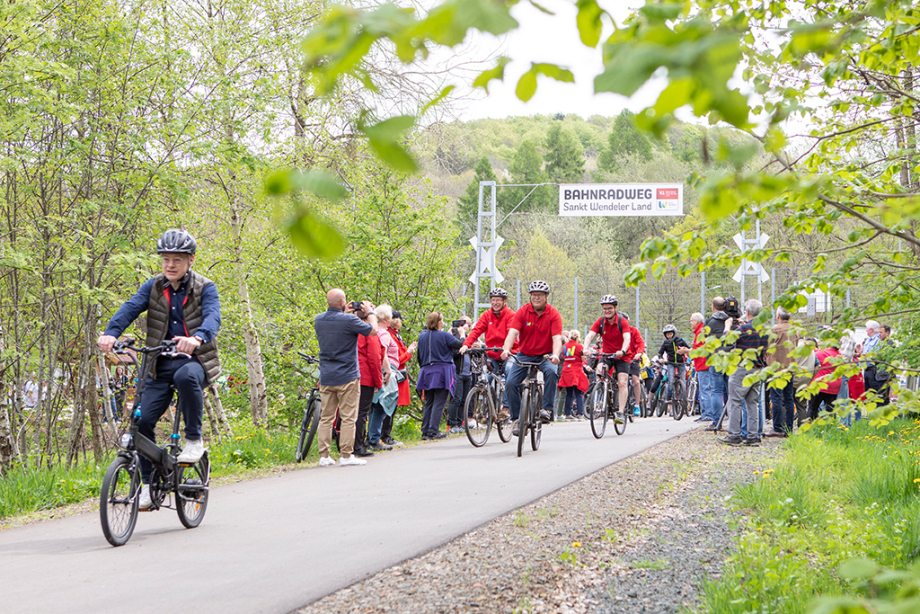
<point x="537" y="331"/>
<point x="699" y="364"/>
<point x="613" y="338"/>
<point x="495" y="328"/>
<point x="636" y="344"/>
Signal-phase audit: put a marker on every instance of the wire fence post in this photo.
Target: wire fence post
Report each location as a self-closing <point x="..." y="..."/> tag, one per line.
<point x="773" y="292"/>
<point x="518" y="294"/>
<point x="637" y="306"/>
<point x="703" y="292"/>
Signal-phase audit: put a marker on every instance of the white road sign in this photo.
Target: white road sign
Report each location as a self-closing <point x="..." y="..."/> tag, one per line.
<point x="621" y="199"/>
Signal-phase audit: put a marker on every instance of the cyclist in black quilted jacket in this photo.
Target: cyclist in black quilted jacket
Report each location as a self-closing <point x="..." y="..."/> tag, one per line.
<point x="669" y="352"/>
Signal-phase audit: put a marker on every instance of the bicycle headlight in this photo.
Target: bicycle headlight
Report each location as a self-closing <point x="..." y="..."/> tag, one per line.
<point x="125" y="440"/>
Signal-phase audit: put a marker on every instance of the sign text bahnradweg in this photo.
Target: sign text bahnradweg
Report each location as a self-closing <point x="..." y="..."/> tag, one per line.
<point x="623" y="199"/>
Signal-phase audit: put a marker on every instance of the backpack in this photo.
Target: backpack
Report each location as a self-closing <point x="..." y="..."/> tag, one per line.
<point x="619" y="324"/>
<point x="732" y="308"/>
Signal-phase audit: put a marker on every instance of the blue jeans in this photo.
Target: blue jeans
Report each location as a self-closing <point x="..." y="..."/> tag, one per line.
<point x="517" y="375"/>
<point x="705" y="382"/>
<point x="375" y="423"/>
<point x="717" y="385"/>
<point x="573" y="393"/>
<point x="783" y="408"/>
<point x="506" y="369"/>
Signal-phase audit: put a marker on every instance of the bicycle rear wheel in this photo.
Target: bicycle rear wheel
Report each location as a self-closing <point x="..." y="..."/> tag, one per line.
<point x="661" y="404"/>
<point x="308" y="428"/>
<point x="478" y="415"/>
<point x="118" y="500"/>
<point x="677" y="408"/>
<point x="644" y="410"/>
<point x="536" y="428"/>
<point x="598" y="413"/>
<point x="192" y="492"/>
<point x="523" y="420"/>
<point x="692" y="392"/>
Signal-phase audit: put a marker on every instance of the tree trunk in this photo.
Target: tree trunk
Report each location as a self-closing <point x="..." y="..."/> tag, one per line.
<point x="258" y="399"/>
<point x="8" y="447"/>
<point x="215" y="405"/>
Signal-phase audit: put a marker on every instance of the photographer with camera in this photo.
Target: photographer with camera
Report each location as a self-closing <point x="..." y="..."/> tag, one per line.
<point x="337" y="330"/>
<point x="460" y="328"/>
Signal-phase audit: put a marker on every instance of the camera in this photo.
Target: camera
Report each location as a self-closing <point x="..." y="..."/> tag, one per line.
<point x="457" y="323"/>
<point x="356" y="305"/>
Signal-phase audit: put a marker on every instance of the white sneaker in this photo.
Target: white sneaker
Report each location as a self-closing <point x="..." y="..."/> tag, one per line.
<point x="326" y="461"/>
<point x="351" y="460"/>
<point x="192" y="452"/>
<point x="473" y="424"/>
<point x="145" y="501"/>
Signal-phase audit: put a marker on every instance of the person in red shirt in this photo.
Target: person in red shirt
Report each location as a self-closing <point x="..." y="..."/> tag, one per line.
<point x="616" y="335"/>
<point x="636" y="350"/>
<point x="573" y="379"/>
<point x="537" y="326"/>
<point x="371" y="360"/>
<point x="703" y="374"/>
<point x="828" y="361"/>
<point x="494" y="325"/>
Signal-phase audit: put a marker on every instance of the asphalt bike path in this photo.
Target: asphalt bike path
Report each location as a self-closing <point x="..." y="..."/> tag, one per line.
<point x="276" y="544"/>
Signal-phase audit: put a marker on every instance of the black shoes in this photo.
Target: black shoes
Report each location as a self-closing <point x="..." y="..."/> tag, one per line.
<point x="731" y="440"/>
<point x="713" y="428"/>
<point x="546" y="416"/>
<point x="379" y="447"/>
<point x="363" y="452"/>
<point x="439" y="435"/>
<point x="752" y="442"/>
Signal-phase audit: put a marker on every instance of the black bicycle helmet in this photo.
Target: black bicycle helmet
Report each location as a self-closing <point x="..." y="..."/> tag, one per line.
<point x="609" y="299"/>
<point x="538" y="286"/>
<point x="670" y="328"/>
<point x="176" y="241"/>
<point x="498" y="292"/>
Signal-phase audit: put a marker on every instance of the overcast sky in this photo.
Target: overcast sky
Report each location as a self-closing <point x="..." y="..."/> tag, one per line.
<point x="553" y="39"/>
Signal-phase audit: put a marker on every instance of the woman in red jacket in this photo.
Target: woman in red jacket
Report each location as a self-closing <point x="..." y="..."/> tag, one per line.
<point x="827" y="360"/>
<point x="573" y="377"/>
<point x="405" y="392"/>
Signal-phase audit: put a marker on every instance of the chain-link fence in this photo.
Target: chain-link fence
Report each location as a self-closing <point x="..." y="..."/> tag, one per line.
<point x="673" y="299"/>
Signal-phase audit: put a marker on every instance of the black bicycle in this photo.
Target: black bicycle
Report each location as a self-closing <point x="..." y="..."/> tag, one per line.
<point x="484" y="400"/>
<point x="604" y="401"/>
<point x="310" y="423"/>
<point x="531" y="401"/>
<point x="185" y="484"/>
<point x="676" y="401"/>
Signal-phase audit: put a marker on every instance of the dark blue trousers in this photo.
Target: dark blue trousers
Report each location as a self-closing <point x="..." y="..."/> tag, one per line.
<point x="183" y="376"/>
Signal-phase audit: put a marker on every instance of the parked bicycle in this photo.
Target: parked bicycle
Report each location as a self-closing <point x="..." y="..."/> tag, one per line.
<point x="310" y="423"/>
<point x="484" y="400"/>
<point x="529" y="421"/>
<point x="184" y="486"/>
<point x="693" y="395"/>
<point x="604" y="400"/>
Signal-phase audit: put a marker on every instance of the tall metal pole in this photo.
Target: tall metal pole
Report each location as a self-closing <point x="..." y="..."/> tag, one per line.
<point x="703" y="292"/>
<point x="576" y="304"/>
<point x="743" y="264"/>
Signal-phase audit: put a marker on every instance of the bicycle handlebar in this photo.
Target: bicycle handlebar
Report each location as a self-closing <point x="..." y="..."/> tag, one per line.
<point x="120" y="347"/>
<point x="309" y="358"/>
<point x="530" y="364"/>
<point x="480" y="350"/>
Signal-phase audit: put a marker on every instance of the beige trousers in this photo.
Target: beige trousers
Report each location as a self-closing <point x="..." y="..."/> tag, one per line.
<point x="345" y="399"/>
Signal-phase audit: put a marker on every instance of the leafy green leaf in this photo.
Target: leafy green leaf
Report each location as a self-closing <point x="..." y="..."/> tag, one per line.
<point x="482" y="80"/>
<point x="858" y="569"/>
<point x="589" y="22"/>
<point x="315" y="237"/>
<point x="527" y="85"/>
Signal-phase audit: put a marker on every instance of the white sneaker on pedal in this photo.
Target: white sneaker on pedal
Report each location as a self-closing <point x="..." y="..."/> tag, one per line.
<point x="351" y="460"/>
<point x="472" y="423"/>
<point x="326" y="461"/>
<point x="515" y="429"/>
<point x="145" y="501"/>
<point x="192" y="452"/>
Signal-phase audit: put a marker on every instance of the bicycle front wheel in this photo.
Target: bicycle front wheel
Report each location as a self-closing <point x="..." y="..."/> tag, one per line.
<point x="692" y="394"/>
<point x="677" y="407"/>
<point x="192" y="493"/>
<point x="536" y="428"/>
<point x="661" y="404"/>
<point x="478" y="415"/>
<point x="118" y="501"/>
<point x="308" y="428"/>
<point x="620" y="418"/>
<point x="523" y="420"/>
<point x="598" y="413"/>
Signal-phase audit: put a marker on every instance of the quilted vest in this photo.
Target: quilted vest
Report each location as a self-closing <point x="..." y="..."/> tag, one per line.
<point x="158" y="321"/>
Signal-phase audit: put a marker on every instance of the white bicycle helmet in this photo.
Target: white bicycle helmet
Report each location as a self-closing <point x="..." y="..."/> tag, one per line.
<point x="538" y="286"/>
<point x="609" y="299"/>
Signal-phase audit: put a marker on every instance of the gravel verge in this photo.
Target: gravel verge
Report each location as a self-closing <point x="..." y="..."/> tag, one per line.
<point x="638" y="536"/>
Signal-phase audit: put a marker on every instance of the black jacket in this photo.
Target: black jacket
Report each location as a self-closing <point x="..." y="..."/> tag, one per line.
<point x="670" y="346"/>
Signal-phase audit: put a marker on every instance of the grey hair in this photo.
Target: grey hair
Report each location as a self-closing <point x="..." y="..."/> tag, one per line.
<point x="753" y="307"/>
<point x="782" y="314"/>
<point x="384" y="312"/>
<point x="872" y="324"/>
<point x="697" y="317"/>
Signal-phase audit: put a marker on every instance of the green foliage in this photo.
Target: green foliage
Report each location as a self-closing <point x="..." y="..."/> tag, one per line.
<point x="564" y="156"/>
<point x="838" y="494"/>
<point x="527" y="168"/>
<point x="29" y="489"/>
<point x="625" y="143"/>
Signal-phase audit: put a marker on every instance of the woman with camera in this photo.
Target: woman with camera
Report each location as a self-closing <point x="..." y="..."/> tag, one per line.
<point x="437" y="375"/>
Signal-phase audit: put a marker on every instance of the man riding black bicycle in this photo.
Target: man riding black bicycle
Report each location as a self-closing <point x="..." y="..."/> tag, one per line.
<point x="183" y="306"/>
<point x="494" y="325"/>
<point x="616" y="335"/>
<point x="537" y="326"/>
